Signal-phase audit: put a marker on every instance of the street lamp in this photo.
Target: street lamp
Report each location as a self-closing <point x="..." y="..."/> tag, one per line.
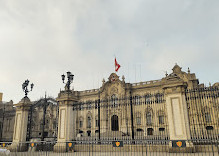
<point x="70" y="78"/>
<point x="25" y="85"/>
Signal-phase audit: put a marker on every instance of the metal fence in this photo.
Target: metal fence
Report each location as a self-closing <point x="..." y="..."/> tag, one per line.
<point x="127" y="118"/>
<point x="203" y="108"/>
<point x="129" y="125"/>
<point x="40" y="116"/>
<point x="122" y="147"/>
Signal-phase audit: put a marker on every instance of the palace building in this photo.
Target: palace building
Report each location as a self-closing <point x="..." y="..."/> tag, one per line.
<point x="173" y="107"/>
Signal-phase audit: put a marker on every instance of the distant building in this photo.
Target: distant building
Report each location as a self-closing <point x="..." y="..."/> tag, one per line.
<point x="7" y="114"/>
<point x="1" y="94"/>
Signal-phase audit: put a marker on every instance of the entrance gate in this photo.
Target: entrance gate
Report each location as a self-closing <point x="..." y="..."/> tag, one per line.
<point x="114" y="123"/>
<point x="42" y="119"/>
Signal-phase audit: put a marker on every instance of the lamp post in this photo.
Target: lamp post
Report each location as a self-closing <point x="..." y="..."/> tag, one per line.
<point x="25" y="85"/>
<point x="70" y="78"/>
<point x="66" y="100"/>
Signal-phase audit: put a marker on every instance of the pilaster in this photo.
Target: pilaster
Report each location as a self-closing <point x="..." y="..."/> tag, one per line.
<point x="20" y="126"/>
<point x="177" y="112"/>
<point x="66" y="120"/>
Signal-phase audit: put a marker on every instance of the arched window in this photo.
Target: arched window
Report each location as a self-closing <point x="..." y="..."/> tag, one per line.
<point x="158" y="97"/>
<point x="161" y="119"/>
<point x="137" y="100"/>
<point x="114" y="100"/>
<point x="147" y="99"/>
<point x="148" y="118"/>
<point x="81" y="123"/>
<point x="88" y="122"/>
<point x="80" y="106"/>
<point x="114" y="123"/>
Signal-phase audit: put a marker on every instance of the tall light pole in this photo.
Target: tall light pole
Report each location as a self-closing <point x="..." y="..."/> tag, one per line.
<point x="26" y="91"/>
<point x="70" y="78"/>
<point x="25" y="85"/>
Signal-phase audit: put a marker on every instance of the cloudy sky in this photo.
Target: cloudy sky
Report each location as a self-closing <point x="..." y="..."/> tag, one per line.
<point x="40" y="40"/>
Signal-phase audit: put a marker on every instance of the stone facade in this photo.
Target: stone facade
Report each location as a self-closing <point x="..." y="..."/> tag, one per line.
<point x="160" y="111"/>
<point x="115" y="88"/>
<point x="8" y="111"/>
<point x="7" y="114"/>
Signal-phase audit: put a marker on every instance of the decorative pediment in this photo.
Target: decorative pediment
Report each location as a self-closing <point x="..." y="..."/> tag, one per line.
<point x="177" y="69"/>
<point x="113" y="86"/>
<point x="113" y="77"/>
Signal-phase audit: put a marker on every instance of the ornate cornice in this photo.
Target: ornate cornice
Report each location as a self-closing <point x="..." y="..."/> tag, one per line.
<point x="24" y="104"/>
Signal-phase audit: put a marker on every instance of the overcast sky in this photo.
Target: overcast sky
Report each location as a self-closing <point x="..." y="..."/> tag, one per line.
<point x="42" y="39"/>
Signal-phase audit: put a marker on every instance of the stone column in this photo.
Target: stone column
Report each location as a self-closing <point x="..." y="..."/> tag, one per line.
<point x="66" y="120"/>
<point x="178" y="119"/>
<point x="20" y="126"/>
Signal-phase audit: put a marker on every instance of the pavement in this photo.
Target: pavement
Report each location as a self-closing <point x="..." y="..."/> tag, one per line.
<point x="110" y="154"/>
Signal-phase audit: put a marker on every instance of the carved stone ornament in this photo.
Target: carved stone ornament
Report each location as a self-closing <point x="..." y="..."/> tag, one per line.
<point x="173" y="76"/>
<point x="113" y="77"/>
<point x="114" y="90"/>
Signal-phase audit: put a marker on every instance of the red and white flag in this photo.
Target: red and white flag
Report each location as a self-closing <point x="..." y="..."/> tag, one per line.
<point x="117" y="66"/>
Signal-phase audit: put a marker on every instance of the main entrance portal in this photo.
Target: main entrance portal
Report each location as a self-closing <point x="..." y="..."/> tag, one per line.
<point x="114" y="123"/>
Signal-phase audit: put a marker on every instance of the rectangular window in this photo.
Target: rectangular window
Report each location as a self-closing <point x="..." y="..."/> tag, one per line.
<point x="97" y="124"/>
<point x="89" y="105"/>
<point x="138" y="120"/>
<point x="54" y="125"/>
<point x="89" y="122"/>
<point x="207" y="117"/>
<point x="148" y="118"/>
<point x="161" y="119"/>
<point x="147" y="100"/>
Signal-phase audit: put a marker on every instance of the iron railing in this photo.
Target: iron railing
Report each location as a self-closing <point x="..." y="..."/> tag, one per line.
<point x="110" y="147"/>
<point x="203" y="108"/>
<point x="129" y="118"/>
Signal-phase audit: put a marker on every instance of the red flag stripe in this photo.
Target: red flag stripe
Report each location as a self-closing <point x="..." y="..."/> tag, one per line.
<point x="117" y="66"/>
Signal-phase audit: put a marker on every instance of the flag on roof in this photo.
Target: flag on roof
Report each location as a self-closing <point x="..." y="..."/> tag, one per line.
<point x="117" y="66"/>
